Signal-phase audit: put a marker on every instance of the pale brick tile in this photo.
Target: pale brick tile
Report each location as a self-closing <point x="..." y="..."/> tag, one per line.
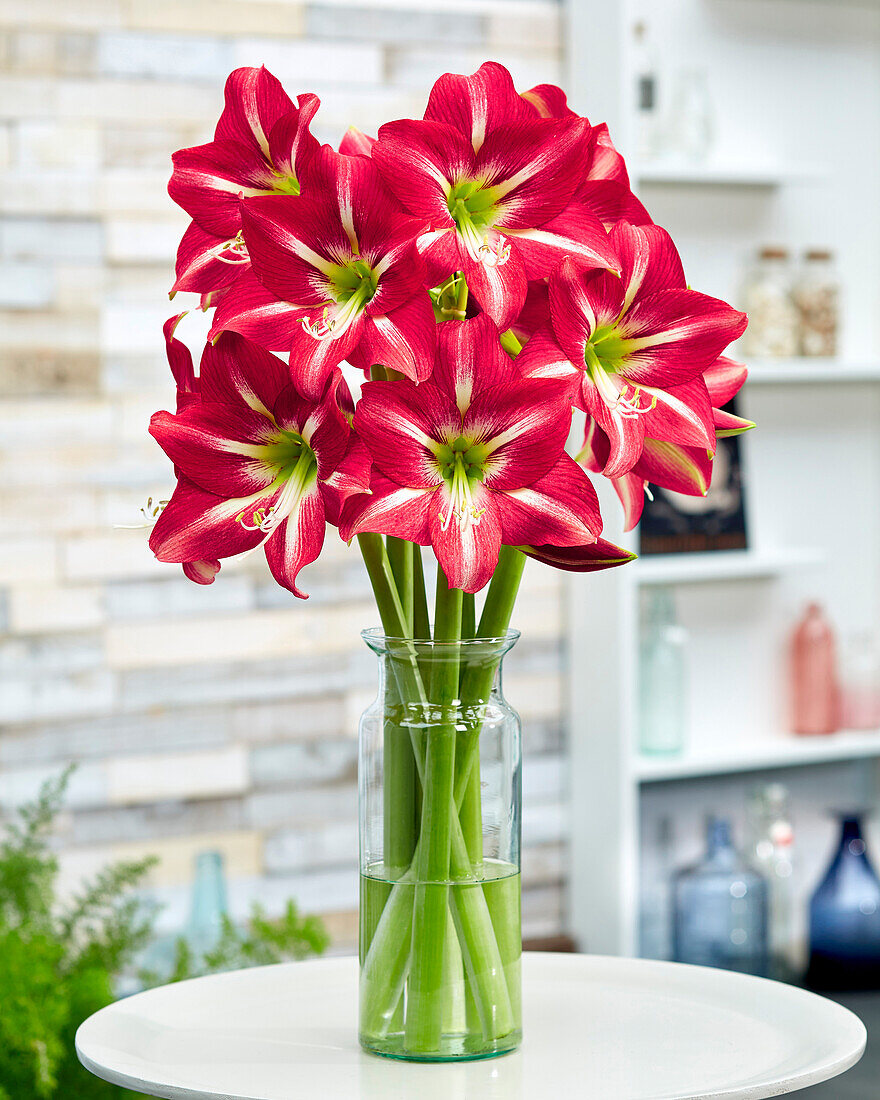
<point x="365" y="107"/>
<point x="27" y="97"/>
<point x="54" y="192"/>
<point x="146" y="149"/>
<point x="39" y="512"/>
<point x="68" y="145"/>
<point x="311" y="807"/>
<point x="532" y="31"/>
<point x="297" y="64"/>
<point x="137" y="191"/>
<point x="48" y="654"/>
<point x="40" y="609"/>
<point x="145" y="240"/>
<point x="342" y="928"/>
<point x="304" y="763"/>
<point x="124" y="326"/>
<point x="241" y="850"/>
<point x="80" y="287"/>
<point x="127" y="601"/>
<point x="52" y="238"/>
<point x="69" y="419"/>
<point x="314" y="891"/>
<point x="163" y="819"/>
<point x="87" y="785"/>
<point x="52" y="13"/>
<point x="420" y="66"/>
<point x="6" y="145"/>
<point x="543" y="778"/>
<point x="333" y="844"/>
<point x="544" y="822"/>
<point x="53" y="697"/>
<point x="35" y="330"/>
<point x="164" y="56"/>
<point x="128" y="101"/>
<point x="233" y="682"/>
<point x="161" y="730"/>
<point x="227" y="17"/>
<point x="387" y="24"/>
<point x="536" y="696"/>
<point x="25" y="285"/>
<point x="113" y="555"/>
<point x="78" y="54"/>
<point x="161" y="777"/>
<point x="23" y="560"/>
<point x="260" y="634"/>
<point x="34" y="52"/>
<point x="300" y="719"/>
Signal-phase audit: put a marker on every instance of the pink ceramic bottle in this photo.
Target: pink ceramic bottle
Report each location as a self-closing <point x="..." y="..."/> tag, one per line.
<point x="815" y="691"/>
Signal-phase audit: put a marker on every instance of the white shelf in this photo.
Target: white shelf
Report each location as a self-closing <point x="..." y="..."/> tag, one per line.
<point x="671" y="174"/>
<point x="717" y="565"/>
<point x="776" y="752"/>
<point x="812" y="371"/>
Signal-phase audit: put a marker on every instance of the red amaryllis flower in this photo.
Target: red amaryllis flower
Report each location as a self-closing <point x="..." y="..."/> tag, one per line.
<point x="335" y="276"/>
<point x="494" y="186"/>
<point x="685" y="470"/>
<point x="590" y="558"/>
<point x="635" y="347"/>
<point x="257" y="464"/>
<point x="604" y="186"/>
<point x="472" y="459"/>
<point x="261" y="146"/>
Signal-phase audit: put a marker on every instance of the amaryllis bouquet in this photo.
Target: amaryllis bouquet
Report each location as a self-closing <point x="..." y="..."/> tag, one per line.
<point x="490" y="272"/>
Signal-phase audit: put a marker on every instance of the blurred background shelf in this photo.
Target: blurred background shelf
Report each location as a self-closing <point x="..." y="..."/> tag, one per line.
<point x="812" y="371"/>
<point x="663" y="174"/>
<point x="776" y="752"/>
<point x="719" y="565"/>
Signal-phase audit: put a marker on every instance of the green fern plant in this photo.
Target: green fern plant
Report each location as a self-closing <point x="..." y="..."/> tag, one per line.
<point x="58" y="963"/>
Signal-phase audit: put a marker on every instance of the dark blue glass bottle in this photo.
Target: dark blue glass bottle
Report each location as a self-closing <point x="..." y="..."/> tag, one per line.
<point x="845" y="917"/>
<point x="721" y="909"/>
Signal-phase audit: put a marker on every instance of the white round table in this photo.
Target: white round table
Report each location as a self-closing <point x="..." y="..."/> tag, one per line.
<point x="603" y="1028"/>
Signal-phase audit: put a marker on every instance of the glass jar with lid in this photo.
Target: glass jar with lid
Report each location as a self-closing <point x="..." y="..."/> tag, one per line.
<point x="816" y="296"/>
<point x="773" y="330"/>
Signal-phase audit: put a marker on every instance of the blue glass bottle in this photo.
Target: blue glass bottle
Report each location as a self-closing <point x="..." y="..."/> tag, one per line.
<point x="208" y="904"/>
<point x="845" y="917"/>
<point x="721" y="909"/>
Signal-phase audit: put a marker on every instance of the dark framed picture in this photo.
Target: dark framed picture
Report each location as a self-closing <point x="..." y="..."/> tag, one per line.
<point x="673" y="523"/>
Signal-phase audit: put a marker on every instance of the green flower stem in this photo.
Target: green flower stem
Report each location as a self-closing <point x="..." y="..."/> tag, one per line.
<point x="425" y="1005"/>
<point x="391" y="951"/>
<point x="400" y="557"/>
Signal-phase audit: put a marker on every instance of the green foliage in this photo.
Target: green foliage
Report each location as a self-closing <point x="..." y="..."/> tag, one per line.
<point x="58" y="963"/>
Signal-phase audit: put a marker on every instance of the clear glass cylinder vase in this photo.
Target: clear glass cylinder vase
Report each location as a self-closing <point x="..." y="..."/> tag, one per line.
<point x="440" y="798"/>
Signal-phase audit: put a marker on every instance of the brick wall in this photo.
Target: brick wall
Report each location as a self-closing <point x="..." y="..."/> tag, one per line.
<point x="226" y="716"/>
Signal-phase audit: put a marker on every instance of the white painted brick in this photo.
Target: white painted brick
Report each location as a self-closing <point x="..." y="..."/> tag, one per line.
<point x="131" y="102"/>
<point x="110" y="556"/>
<point x="56" y="192"/>
<point x="227" y="17"/>
<point x="544" y="822"/>
<point x="34" y="52"/>
<point x="27" y="96"/>
<point x="51" y="13"/>
<point x="6" y="152"/>
<point x="80" y="287"/>
<point x="542" y="912"/>
<point x="52" y="238"/>
<point x="303" y="763"/>
<point x="26" y="285"/>
<point x="42" y="329"/>
<point x="68" y="145"/>
<point x="260" y="634"/>
<point x="544" y="778"/>
<point x="313" y="891"/>
<point x="23" y="560"/>
<point x="387" y="24"/>
<point x="300" y="719"/>
<point x="87" y="785"/>
<point x="140" y="326"/>
<point x="297" y="64"/>
<point x="54" y="697"/>
<point x="533" y="31"/>
<point x="419" y="67"/>
<point x="143" y="240"/>
<point x="71" y="419"/>
<point x="163" y="56"/>
<point x="534" y="696"/>
<point x="177" y="596"/>
<point x="158" y="777"/>
<point x="136" y="191"/>
<point x="32" y="511"/>
<point x="332" y="844"/>
<point x="40" y="609"/>
<point x="77" y="54"/>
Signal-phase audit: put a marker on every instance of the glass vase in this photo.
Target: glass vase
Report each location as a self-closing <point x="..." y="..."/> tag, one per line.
<point x="440" y="796"/>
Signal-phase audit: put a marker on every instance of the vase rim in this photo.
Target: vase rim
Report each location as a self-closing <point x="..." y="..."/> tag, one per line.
<point x="376" y="638"/>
